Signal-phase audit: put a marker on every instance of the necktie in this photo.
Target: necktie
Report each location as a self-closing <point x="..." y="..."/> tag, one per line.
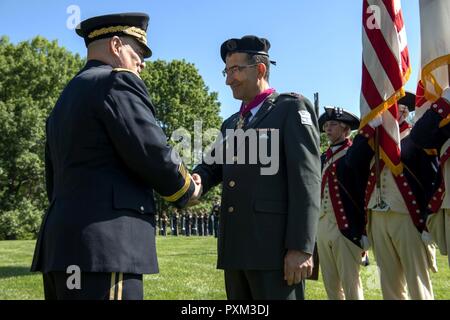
<point x="243" y="120"/>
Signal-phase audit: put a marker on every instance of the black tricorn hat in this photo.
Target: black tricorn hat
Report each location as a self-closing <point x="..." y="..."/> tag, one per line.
<point x="133" y="24"/>
<point x="338" y="114"/>
<point x="248" y="44"/>
<point x="408" y="100"/>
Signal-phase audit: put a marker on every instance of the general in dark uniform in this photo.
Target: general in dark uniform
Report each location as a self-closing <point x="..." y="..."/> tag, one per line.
<point x="268" y="221"/>
<point x="105" y="156"/>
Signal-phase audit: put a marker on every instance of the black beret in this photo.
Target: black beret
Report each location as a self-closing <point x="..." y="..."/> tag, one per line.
<point x="338" y="114"/>
<point x="408" y="100"/>
<point x="132" y="24"/>
<point x="247" y="44"/>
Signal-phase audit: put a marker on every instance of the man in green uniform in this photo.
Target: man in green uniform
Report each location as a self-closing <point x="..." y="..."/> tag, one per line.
<point x="270" y="205"/>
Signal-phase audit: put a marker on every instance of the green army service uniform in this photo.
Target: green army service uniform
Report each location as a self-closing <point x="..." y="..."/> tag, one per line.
<point x="262" y="216"/>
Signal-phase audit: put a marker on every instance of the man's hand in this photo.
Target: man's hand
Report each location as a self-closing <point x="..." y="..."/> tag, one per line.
<point x="194" y="200"/>
<point x="298" y="266"/>
<point x="446" y="94"/>
<point x="375" y="122"/>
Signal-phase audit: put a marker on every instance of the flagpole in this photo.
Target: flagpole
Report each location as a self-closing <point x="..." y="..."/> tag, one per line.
<point x="377" y="166"/>
<point x="316" y="103"/>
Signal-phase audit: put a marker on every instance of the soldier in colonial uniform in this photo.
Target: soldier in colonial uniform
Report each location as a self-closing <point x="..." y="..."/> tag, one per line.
<point x="268" y="220"/>
<point x="341" y="230"/>
<point x="432" y="131"/>
<point x="397" y="213"/>
<point x="105" y="154"/>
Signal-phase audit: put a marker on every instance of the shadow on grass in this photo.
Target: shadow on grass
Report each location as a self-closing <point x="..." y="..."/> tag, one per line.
<point x="211" y="253"/>
<point x="14" y="271"/>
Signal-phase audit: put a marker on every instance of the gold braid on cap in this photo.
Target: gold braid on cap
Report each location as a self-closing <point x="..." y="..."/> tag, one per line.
<point x="138" y="33"/>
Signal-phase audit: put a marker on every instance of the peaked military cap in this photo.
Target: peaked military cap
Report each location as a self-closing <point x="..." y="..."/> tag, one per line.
<point x="338" y="114"/>
<point x="247" y="44"/>
<point x="130" y="24"/>
<point x="408" y="100"/>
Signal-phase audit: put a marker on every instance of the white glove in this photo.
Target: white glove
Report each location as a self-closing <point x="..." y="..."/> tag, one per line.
<point x="426" y="238"/>
<point x="377" y="121"/>
<point x="446" y="94"/>
<point x="365" y="244"/>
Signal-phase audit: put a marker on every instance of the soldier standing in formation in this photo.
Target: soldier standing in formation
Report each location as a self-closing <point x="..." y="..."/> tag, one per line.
<point x="432" y="132"/>
<point x="188" y="223"/>
<point x="397" y="216"/>
<point x="216" y="216"/>
<point x="205" y="224"/>
<point x="200" y="223"/>
<point x="194" y="224"/>
<point x="174" y="223"/>
<point x="341" y="230"/>
<point x="164" y="224"/>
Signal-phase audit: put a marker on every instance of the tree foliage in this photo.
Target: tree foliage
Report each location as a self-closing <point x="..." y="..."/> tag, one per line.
<point x="33" y="74"/>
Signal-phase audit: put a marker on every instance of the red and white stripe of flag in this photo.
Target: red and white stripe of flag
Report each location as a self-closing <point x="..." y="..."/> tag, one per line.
<point x="385" y="70"/>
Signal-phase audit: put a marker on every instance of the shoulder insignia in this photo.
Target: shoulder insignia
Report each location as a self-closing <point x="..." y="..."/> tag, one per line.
<point x="126" y="70"/>
<point x="305" y="117"/>
<point x="292" y="94"/>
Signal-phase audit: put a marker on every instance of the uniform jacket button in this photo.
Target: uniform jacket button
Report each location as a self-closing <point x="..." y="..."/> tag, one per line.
<point x="230" y="209"/>
<point x="142" y="208"/>
<point x="232" y="184"/>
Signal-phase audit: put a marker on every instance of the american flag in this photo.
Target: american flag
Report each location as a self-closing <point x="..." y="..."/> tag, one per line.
<point x="386" y="68"/>
<point x="435" y="54"/>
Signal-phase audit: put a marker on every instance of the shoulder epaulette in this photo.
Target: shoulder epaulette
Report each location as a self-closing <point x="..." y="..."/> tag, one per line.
<point x="126" y="70"/>
<point x="431" y="152"/>
<point x="292" y="94"/>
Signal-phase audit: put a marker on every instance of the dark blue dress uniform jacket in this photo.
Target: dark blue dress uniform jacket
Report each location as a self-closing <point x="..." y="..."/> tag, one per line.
<point x="426" y="132"/>
<point x="264" y="215"/>
<point x="105" y="154"/>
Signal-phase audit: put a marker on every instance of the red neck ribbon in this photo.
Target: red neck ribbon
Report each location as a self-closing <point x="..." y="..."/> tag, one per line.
<point x="256" y="101"/>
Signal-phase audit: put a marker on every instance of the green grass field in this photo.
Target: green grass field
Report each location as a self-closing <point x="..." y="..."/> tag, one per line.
<point x="187" y="271"/>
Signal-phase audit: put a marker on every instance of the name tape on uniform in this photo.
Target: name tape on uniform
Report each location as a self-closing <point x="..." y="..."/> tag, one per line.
<point x="305" y="117"/>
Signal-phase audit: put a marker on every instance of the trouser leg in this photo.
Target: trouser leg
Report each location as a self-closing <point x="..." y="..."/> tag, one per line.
<point x="93" y="286"/>
<point x="392" y="278"/>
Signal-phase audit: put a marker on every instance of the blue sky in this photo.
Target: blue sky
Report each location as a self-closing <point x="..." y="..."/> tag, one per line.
<point x="317" y="44"/>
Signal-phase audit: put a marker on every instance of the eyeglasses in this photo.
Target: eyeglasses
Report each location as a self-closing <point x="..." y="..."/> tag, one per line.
<point x="229" y="71"/>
